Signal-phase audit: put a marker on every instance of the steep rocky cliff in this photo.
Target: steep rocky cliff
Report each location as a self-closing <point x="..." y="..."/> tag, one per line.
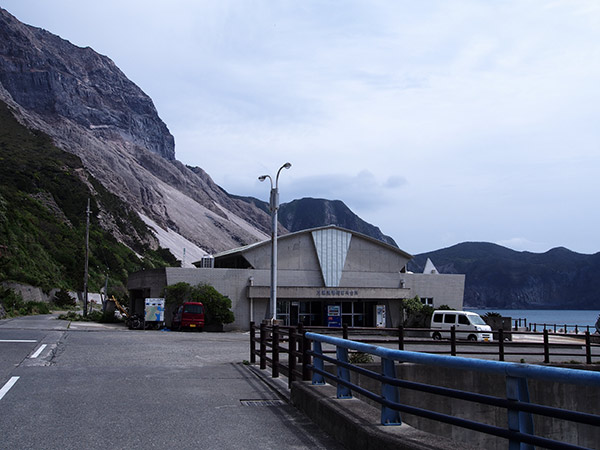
<point x="89" y="108"/>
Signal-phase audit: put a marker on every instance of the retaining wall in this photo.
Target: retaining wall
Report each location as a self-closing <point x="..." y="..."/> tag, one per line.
<point x="572" y="397"/>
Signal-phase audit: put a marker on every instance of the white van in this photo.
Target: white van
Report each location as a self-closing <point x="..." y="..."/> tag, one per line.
<point x="468" y="325"/>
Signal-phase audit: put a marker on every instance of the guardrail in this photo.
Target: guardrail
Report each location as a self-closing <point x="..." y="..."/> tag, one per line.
<point x="517" y="345"/>
<point x="287" y="350"/>
<point x="520" y="410"/>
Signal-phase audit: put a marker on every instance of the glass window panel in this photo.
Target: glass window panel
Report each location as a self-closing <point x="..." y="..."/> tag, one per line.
<point x="449" y="318"/>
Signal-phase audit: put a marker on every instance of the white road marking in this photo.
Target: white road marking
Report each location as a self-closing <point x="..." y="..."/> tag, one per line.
<point x="10" y="383"/>
<point x="38" y="351"/>
<point x="18" y="340"/>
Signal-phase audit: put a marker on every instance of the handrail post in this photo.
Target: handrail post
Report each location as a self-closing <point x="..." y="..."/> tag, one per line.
<point x="317" y="378"/>
<point x="389" y="392"/>
<point x="546" y="347"/>
<point x="519" y="421"/>
<point x="400" y="337"/>
<point x="275" y="352"/>
<point x="453" y="340"/>
<point x="500" y="344"/>
<point x="343" y="373"/>
<point x="292" y="357"/>
<point x="305" y="343"/>
<point x="252" y="343"/>
<point x="263" y="346"/>
<point x="588" y="348"/>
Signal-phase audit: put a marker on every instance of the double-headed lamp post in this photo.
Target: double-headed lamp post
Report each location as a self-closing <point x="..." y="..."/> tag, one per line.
<point x="273" y="207"/>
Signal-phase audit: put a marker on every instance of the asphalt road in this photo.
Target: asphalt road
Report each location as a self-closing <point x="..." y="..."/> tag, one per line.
<point x="94" y="386"/>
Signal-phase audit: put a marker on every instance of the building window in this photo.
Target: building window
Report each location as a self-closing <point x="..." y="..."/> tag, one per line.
<point x="427" y="301"/>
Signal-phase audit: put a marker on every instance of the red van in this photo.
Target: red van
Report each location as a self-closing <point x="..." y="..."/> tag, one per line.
<point x="189" y="315"/>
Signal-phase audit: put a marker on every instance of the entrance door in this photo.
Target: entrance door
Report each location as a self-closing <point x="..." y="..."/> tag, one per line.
<point x="294" y="314"/>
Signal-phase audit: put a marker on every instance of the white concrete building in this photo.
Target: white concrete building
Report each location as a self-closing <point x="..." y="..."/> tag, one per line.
<point x="322" y="272"/>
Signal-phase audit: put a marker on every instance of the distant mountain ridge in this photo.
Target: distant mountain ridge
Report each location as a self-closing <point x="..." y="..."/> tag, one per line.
<point x="498" y="277"/>
<point x="315" y="212"/>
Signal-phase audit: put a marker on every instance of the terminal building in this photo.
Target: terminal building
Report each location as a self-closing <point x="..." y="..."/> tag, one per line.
<point x="327" y="276"/>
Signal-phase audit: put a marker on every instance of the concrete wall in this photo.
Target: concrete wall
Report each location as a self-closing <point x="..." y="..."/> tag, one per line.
<point x="443" y="288"/>
<point x="234" y="283"/>
<point x="572" y="397"/>
<point x="367" y="256"/>
<point x="36" y="294"/>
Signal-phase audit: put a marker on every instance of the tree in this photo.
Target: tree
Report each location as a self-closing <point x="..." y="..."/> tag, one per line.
<point x="176" y="294"/>
<point x="415" y="313"/>
<point x="217" y="307"/>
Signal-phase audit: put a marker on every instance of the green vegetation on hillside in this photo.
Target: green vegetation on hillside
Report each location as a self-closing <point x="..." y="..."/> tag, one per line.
<point x="43" y="198"/>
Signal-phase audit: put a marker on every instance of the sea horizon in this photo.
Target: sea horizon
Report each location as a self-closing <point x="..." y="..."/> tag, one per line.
<point x="560" y="317"/>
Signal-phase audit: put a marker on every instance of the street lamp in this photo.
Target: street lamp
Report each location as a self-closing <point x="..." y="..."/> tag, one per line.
<point x="273" y="207"/>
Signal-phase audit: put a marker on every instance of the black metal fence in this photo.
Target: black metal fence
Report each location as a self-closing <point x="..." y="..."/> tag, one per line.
<point x="545" y="347"/>
<point x="288" y="351"/>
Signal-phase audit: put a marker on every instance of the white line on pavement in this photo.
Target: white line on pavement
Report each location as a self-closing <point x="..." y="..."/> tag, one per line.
<point x="18" y="340"/>
<point x="10" y="383"/>
<point x="38" y="351"/>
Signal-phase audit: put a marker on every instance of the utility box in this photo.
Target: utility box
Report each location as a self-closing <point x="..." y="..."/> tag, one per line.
<point x="154" y="310"/>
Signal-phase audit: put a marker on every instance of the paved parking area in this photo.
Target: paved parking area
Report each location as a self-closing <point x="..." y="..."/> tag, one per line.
<point x="108" y="387"/>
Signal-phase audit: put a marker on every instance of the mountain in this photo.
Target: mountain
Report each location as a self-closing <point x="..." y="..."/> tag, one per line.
<point x="497" y="277"/>
<point x="314" y="212"/>
<point x="89" y="108"/>
<point x="43" y="195"/>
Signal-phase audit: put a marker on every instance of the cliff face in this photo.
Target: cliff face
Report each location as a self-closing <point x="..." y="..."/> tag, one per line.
<point x="51" y="77"/>
<point x="89" y="108"/>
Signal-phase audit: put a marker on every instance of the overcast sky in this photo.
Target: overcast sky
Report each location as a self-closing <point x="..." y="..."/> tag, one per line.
<point x="438" y="121"/>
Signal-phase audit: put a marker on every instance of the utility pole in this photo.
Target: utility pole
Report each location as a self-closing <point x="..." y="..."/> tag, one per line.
<point x="87" y="253"/>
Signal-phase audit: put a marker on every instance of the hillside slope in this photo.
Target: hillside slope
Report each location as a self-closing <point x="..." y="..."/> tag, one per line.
<point x="89" y="108"/>
<point x="43" y="198"/>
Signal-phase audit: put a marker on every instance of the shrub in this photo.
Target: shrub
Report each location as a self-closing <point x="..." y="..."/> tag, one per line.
<point x="63" y="299"/>
<point x="217" y="306"/>
<point x="416" y="314"/>
<point x="11" y="300"/>
<point x="359" y="358"/>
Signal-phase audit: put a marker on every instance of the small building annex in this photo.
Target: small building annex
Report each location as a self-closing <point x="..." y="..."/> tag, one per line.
<point x="325" y="275"/>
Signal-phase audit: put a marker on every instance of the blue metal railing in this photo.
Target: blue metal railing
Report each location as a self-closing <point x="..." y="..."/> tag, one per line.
<point x="520" y="410"/>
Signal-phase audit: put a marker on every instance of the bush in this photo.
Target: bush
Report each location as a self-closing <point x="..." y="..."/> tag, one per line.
<point x="217" y="307"/>
<point x="14" y="305"/>
<point x="63" y="299"/>
<point x="11" y="301"/>
<point x="416" y="314"/>
<point x="359" y="358"/>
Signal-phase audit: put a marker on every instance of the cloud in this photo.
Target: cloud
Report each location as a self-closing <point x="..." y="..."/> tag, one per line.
<point x="437" y="121"/>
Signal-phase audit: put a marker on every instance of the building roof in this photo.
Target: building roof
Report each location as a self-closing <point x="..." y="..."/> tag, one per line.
<point x="245" y="248"/>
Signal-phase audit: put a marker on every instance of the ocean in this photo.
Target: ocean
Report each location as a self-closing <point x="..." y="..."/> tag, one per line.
<point x="560" y="317"/>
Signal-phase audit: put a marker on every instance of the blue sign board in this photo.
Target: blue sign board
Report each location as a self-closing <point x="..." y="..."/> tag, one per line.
<point x="334" y="316"/>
